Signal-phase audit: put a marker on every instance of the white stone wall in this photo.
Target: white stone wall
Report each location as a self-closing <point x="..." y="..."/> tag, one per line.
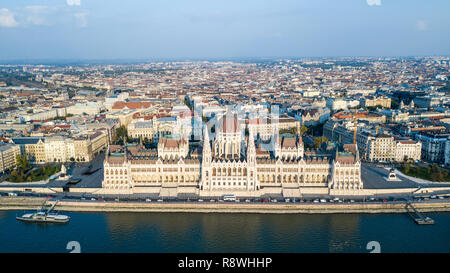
<point x="408" y="150"/>
<point x="346" y="177"/>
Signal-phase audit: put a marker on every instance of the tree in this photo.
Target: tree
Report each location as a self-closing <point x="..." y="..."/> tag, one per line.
<point x="319" y="140"/>
<point x="436" y="173"/>
<point x="407" y="168"/>
<point x="303" y="130"/>
<point x="292" y="130"/>
<point x="121" y="133"/>
<point x="22" y="161"/>
<point x="71" y="93"/>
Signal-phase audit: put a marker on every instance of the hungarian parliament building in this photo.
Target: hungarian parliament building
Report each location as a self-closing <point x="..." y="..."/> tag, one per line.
<point x="233" y="161"/>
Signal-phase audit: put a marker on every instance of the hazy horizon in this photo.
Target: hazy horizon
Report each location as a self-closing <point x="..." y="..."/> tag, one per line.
<point x="125" y="61"/>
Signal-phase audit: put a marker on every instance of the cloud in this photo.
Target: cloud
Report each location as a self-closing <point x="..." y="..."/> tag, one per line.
<point x="81" y="19"/>
<point x="36" y="15"/>
<point x="73" y="2"/>
<point x="421" y="25"/>
<point x="7" y="18"/>
<point x="373" y="2"/>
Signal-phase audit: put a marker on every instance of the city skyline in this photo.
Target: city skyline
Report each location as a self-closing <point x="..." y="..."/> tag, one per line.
<point x="99" y="30"/>
<point x="224" y="126"/>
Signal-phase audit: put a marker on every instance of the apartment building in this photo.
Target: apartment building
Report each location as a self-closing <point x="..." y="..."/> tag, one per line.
<point x="8" y="153"/>
<point x="434" y="145"/>
<point x="376" y="101"/>
<point x="82" y="147"/>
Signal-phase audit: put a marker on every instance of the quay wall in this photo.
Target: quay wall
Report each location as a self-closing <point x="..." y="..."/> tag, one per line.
<point x="33" y="203"/>
<point x="286" y="192"/>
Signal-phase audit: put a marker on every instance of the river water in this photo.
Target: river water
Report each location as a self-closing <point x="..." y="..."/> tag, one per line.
<point x="197" y="232"/>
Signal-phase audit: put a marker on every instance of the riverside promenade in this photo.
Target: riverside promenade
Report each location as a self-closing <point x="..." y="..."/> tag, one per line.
<point x="33" y="203"/>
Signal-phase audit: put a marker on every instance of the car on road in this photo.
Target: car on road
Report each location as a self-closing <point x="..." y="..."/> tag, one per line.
<point x="148" y="200"/>
<point x="160" y="200"/>
<point x="247" y="200"/>
<point x="287" y="200"/>
<point x="212" y="200"/>
<point x="200" y="200"/>
<point x="323" y="200"/>
<point x="316" y="201"/>
<point x="352" y="201"/>
<point x="273" y="200"/>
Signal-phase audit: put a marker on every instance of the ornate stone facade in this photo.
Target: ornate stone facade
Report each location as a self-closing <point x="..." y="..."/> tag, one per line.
<point x="229" y="163"/>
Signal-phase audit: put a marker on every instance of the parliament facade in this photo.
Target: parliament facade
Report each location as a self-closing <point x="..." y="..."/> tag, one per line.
<point x="231" y="162"/>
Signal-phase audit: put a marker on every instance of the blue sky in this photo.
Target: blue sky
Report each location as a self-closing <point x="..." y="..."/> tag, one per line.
<point x="118" y="29"/>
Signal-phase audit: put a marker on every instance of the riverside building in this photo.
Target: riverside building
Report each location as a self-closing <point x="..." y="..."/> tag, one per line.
<point x="8" y="153"/>
<point x="81" y="148"/>
<point x="230" y="163"/>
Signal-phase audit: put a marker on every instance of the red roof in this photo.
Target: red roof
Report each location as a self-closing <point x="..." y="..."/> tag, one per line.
<point x="407" y="141"/>
<point x="131" y="104"/>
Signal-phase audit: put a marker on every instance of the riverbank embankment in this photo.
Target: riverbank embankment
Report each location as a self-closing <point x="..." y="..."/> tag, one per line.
<point x="34" y="203"/>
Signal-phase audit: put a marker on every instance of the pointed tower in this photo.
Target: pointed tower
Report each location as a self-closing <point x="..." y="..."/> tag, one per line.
<point x="206" y="162"/>
<point x="300" y="147"/>
<point x="251" y="150"/>
<point x="206" y="147"/>
<point x="251" y="163"/>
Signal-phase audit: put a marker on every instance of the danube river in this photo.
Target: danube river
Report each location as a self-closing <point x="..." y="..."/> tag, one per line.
<point x="182" y="232"/>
